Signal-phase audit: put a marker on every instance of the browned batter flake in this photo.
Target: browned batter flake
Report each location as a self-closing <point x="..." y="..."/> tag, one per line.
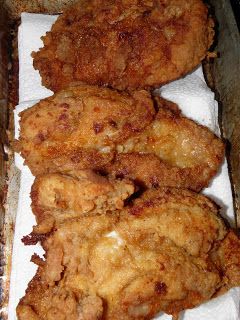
<point x="160" y="288"/>
<point x="98" y="127"/>
<point x="34" y="238"/>
<point x="124" y="44"/>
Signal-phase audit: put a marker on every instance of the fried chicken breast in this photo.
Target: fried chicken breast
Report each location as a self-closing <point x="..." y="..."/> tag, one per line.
<point x="167" y="251"/>
<point x="96" y="128"/>
<point x="81" y="126"/>
<point x="124" y="44"/>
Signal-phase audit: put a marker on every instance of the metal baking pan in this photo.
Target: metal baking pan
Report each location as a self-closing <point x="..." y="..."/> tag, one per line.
<point x="222" y="75"/>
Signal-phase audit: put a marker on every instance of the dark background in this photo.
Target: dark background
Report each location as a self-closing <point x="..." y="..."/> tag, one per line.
<point x="236" y="9"/>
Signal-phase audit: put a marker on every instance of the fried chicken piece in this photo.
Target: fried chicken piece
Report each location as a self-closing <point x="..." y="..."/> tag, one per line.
<point x="80" y="127"/>
<point x="226" y="256"/>
<point x="57" y="197"/>
<point x="171" y="151"/>
<point x="168" y="251"/>
<point x="124" y="44"/>
<point x="95" y="128"/>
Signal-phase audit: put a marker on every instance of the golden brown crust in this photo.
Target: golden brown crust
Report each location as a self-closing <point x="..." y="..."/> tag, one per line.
<point x="57" y="197"/>
<point x="57" y="302"/>
<point x="80" y="127"/>
<point x="148" y="171"/>
<point x="226" y="256"/>
<point x="170" y="212"/>
<point x="125" y="44"/>
<point x="172" y="151"/>
<point x="97" y="128"/>
<point x="168" y="251"/>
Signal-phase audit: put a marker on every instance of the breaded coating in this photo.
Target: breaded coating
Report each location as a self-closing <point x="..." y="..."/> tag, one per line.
<point x="226" y="256"/>
<point x="80" y="127"/>
<point x="56" y="197"/>
<point x="172" y="151"/>
<point x="167" y="251"/>
<point x="124" y="44"/>
<point x="97" y="128"/>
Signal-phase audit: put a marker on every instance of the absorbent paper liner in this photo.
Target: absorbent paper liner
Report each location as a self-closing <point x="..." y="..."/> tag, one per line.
<point x="196" y="101"/>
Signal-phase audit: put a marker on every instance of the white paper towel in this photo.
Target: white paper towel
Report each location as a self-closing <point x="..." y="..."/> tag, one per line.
<point x="22" y="269"/>
<point x="29" y="39"/>
<point x="195" y="100"/>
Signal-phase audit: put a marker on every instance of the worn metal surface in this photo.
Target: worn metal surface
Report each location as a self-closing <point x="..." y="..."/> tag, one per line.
<point x="3" y="141"/>
<point x="225" y="79"/>
<point x="3" y="88"/>
<point x="9" y="176"/>
<point x="3" y="137"/>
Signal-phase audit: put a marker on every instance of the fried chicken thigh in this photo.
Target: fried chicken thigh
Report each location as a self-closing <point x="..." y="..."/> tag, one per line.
<point x="97" y="128"/>
<point x="166" y="251"/>
<point x="124" y="44"/>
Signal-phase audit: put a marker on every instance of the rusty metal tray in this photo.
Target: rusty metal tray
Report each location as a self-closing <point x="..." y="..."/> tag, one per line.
<point x="222" y="75"/>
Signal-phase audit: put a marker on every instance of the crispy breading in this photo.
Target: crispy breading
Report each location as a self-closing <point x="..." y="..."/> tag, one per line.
<point x="172" y="151"/>
<point x="226" y="257"/>
<point x="97" y="128"/>
<point x="81" y="126"/>
<point x="124" y="43"/>
<point x="56" y="197"/>
<point x="167" y="251"/>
